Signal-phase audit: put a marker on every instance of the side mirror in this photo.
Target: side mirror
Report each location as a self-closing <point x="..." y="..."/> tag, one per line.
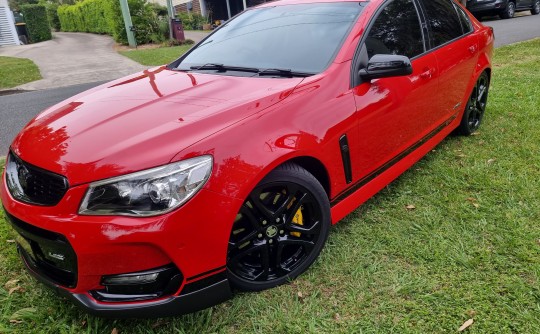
<point x="384" y="66"/>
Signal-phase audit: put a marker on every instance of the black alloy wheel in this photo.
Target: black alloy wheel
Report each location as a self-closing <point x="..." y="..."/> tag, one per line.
<point x="279" y="231"/>
<point x="536" y="8"/>
<point x="476" y="106"/>
<point x="509" y="11"/>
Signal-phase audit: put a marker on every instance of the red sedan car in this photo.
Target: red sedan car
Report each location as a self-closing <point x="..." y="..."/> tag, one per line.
<point x="158" y="193"/>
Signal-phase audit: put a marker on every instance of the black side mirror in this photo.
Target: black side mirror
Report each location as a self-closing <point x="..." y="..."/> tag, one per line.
<point x="384" y="66"/>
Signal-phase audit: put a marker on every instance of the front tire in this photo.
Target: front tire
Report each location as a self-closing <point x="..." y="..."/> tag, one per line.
<point x="476" y="107"/>
<point x="279" y="231"/>
<point x="509" y="11"/>
<point x="536" y="8"/>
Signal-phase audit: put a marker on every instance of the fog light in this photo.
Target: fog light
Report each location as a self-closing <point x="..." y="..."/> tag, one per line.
<point x="130" y="279"/>
<point x="142" y="285"/>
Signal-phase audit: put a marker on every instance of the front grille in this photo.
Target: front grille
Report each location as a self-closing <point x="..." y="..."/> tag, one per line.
<point x="47" y="253"/>
<point x="30" y="184"/>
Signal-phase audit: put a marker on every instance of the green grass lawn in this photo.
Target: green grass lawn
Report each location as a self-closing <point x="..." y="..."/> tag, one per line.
<point x="158" y="56"/>
<point x="470" y="249"/>
<point x="17" y="71"/>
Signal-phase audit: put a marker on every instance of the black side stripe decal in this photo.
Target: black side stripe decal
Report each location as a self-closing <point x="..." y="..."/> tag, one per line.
<point x="362" y="182"/>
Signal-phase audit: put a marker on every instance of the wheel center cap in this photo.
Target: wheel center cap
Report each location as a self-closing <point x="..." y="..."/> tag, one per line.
<point x="271" y="231"/>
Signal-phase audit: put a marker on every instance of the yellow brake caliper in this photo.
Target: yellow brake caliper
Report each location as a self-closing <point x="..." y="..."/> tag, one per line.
<point x="298" y="218"/>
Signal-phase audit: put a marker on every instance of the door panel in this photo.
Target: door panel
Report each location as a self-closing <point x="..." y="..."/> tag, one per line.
<point x="524" y="3"/>
<point x="395" y="113"/>
<point x="456" y="53"/>
<point x="456" y="62"/>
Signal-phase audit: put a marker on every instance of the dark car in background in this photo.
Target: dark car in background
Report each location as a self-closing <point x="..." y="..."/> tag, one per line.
<point x="506" y="9"/>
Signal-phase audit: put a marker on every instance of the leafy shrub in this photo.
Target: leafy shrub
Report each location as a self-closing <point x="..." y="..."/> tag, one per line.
<point x="175" y="42"/>
<point x="37" y="23"/>
<point x="192" y="21"/>
<point x="52" y="15"/>
<point x="163" y="25"/>
<point x="144" y="19"/>
<point x="159" y="9"/>
<point x="105" y="17"/>
<point x="86" y="16"/>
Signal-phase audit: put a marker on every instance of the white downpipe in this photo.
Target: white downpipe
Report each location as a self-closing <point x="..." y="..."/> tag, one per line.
<point x="228" y="9"/>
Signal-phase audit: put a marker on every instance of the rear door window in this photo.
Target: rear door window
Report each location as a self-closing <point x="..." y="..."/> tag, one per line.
<point x="443" y="21"/>
<point x="465" y="21"/>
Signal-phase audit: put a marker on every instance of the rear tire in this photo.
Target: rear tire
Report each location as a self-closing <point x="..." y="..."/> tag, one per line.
<point x="509" y="11"/>
<point x="536" y="8"/>
<point x="279" y="231"/>
<point x="476" y="107"/>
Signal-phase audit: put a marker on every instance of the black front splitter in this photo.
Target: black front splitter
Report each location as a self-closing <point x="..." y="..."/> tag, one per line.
<point x="197" y="300"/>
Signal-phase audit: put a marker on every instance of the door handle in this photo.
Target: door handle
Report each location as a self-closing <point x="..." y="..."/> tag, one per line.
<point x="427" y="74"/>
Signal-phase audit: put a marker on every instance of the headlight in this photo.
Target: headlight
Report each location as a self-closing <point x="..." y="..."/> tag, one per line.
<point x="150" y="192"/>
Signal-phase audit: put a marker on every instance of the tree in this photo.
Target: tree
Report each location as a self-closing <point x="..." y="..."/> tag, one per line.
<point x="15" y="5"/>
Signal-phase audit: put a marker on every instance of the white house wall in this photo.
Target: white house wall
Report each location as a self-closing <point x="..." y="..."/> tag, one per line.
<point x="8" y="33"/>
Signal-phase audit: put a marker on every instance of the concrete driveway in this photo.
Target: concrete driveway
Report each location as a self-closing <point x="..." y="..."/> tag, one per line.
<point x="73" y="58"/>
<point x="196" y="35"/>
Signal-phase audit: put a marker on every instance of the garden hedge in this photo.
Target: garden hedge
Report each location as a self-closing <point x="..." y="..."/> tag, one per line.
<point x="52" y="15"/>
<point x="105" y="17"/>
<point x="37" y="23"/>
<point x="87" y="16"/>
<point x="192" y="21"/>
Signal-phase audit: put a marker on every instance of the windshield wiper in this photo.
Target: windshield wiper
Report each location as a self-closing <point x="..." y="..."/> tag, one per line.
<point x="279" y="72"/>
<point x="223" y="68"/>
<point x="283" y="72"/>
<point x="208" y="66"/>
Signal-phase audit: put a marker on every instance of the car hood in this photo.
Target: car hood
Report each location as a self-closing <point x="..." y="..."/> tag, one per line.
<point x="141" y="121"/>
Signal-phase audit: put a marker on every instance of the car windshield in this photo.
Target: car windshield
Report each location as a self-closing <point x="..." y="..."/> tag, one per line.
<point x="280" y="40"/>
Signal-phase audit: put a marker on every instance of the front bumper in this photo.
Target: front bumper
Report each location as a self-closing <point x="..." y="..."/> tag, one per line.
<point x="85" y="249"/>
<point x="192" y="301"/>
